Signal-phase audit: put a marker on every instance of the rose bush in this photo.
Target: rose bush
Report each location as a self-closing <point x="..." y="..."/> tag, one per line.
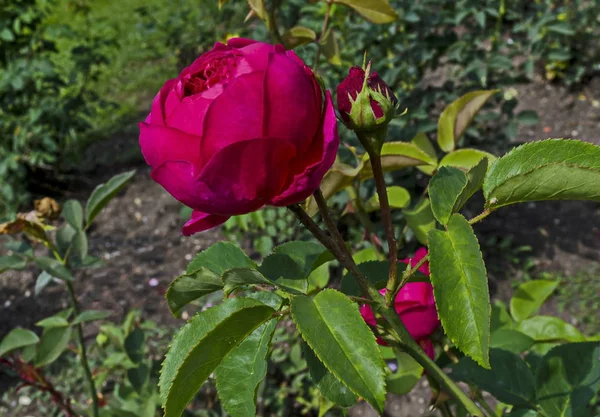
<point x="247" y="124"/>
<point x="415" y="305"/>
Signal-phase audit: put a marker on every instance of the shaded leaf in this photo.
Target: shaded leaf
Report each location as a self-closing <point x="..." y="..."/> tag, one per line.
<point x="330" y="48"/>
<point x="220" y="257"/>
<point x="466" y="158"/>
<point x="335" y="331"/>
<point x="13" y="262"/>
<point x="395" y="156"/>
<point x="134" y="345"/>
<point x="41" y="282"/>
<point x="511" y="340"/>
<point x="455" y="118"/>
<point x="91" y="315"/>
<point x="422" y="142"/>
<point x="420" y="219"/>
<point x="189" y="287"/>
<point x="375" y="11"/>
<point x="53" y="343"/>
<point x="283" y="270"/>
<point x="398" y="198"/>
<point x="54" y="268"/>
<point x="53" y="321"/>
<point x="338" y="177"/>
<point x="16" y="339"/>
<point x="73" y="214"/>
<point x="103" y="193"/>
<point x="460" y="288"/>
<point x="406" y="376"/>
<point x="297" y="36"/>
<point x="550" y="329"/>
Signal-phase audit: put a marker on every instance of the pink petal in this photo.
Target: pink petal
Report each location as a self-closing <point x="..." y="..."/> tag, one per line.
<point x="293" y="110"/>
<point x="311" y="172"/>
<point x="236" y="115"/>
<point x="200" y="222"/>
<point x="241" y="42"/>
<point x="190" y="114"/>
<point x="157" y="113"/>
<point x="162" y="144"/>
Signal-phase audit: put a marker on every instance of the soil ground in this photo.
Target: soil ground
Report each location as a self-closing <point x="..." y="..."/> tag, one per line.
<point x="138" y="234"/>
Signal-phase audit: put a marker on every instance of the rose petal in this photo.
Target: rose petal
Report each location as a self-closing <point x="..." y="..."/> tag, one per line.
<point x="162" y="144"/>
<point x="293" y="111"/>
<point x="200" y="222"/>
<point x="179" y="179"/>
<point x="236" y="115"/>
<point x="316" y="162"/>
<point x="240" y="42"/>
<point x="190" y="114"/>
<point x="157" y="113"/>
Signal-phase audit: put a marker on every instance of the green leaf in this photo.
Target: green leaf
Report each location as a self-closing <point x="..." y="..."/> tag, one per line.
<point x="41" y="282"/>
<point x="460" y="288"/>
<point x="283" y="270"/>
<point x="242" y="370"/>
<point x="220" y="257"/>
<point x="466" y="158"/>
<point x="406" y="376"/>
<point x="375" y="11"/>
<point x="563" y="28"/>
<point x="522" y="412"/>
<point x="395" y="156"/>
<point x="530" y="296"/>
<point x="509" y="379"/>
<point x="54" y="268"/>
<point x="103" y="193"/>
<point x="53" y="343"/>
<point x="64" y="238"/>
<point x="73" y="214"/>
<point x="237" y="277"/>
<point x="420" y="219"/>
<point x="14" y="262"/>
<point x="200" y="346"/>
<point x="422" y="142"/>
<point x="91" y="315"/>
<point x="189" y="287"/>
<point x="297" y="36"/>
<point x="450" y="189"/>
<point x="331" y="48"/>
<point x="53" y="321"/>
<point x="80" y="246"/>
<point x="500" y="318"/>
<point x="455" y="118"/>
<point x="16" y="339"/>
<point x="138" y="377"/>
<point x="377" y="273"/>
<point x="398" y="197"/>
<point x="338" y="177"/>
<point x="258" y="7"/>
<point x="308" y="255"/>
<point x="567" y="379"/>
<point x="335" y="331"/>
<point x="553" y="169"/>
<point x="550" y="329"/>
<point x="511" y="340"/>
<point x="134" y="345"/>
<point x="329" y="386"/>
<point x="528" y="117"/>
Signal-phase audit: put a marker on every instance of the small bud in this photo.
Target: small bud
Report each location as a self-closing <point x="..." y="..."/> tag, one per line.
<point x="365" y="105"/>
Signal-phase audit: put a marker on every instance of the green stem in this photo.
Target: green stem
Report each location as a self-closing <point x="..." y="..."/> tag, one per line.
<point x="321" y="36"/>
<point x="84" y="359"/>
<point x="363" y="217"/>
<point x="409" y="273"/>
<point x="480" y="216"/>
<point x="484" y="404"/>
<point x="272" y="24"/>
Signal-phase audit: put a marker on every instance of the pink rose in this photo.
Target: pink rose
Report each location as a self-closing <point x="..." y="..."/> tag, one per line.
<point x="415" y="305"/>
<point x="245" y="125"/>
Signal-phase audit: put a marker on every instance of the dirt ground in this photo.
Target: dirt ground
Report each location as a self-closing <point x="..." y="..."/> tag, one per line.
<point x="138" y="234"/>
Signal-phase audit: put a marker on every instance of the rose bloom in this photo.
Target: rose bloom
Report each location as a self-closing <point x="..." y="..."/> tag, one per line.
<point x="247" y="124"/>
<point x="415" y="305"/>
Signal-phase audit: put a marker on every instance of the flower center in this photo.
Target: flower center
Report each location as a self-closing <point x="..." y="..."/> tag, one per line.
<point x="211" y="72"/>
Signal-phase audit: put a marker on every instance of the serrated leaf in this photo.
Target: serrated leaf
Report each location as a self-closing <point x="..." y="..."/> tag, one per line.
<point x="283" y="270"/>
<point x="398" y="198"/>
<point x="220" y="257"/>
<point x="530" y="296"/>
<point x="450" y="189"/>
<point x="375" y="11"/>
<point x="73" y="213"/>
<point x="511" y="340"/>
<point x="567" y="379"/>
<point x="329" y="386"/>
<point x="189" y="287"/>
<point x="420" y="219"/>
<point x="550" y="329"/>
<point x="91" y="315"/>
<point x="53" y="343"/>
<point x="466" y="158"/>
<point x="242" y="370"/>
<point x="200" y="346"/>
<point x="509" y="380"/>
<point x="103" y="193"/>
<point x="54" y="268"/>
<point x="457" y="117"/>
<point x="53" y="321"/>
<point x="14" y="262"/>
<point x="16" y="339"/>
<point x="460" y="288"/>
<point x="335" y="331"/>
<point x="395" y="156"/>
<point x="552" y="169"/>
<point x="297" y="36"/>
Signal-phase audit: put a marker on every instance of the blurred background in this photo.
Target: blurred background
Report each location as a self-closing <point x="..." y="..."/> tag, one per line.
<point x="76" y="76"/>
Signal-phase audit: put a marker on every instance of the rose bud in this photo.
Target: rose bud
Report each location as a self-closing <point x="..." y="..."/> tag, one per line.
<point x="245" y="125"/>
<point x="415" y="305"/>
<point x="365" y="105"/>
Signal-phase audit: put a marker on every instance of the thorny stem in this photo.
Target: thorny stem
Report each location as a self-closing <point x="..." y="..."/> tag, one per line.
<point x="386" y="217"/>
<point x="398" y="330"/>
<point x="321" y="36"/>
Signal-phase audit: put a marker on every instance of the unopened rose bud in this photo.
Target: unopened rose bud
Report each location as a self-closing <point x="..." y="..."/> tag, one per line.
<point x="365" y="106"/>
